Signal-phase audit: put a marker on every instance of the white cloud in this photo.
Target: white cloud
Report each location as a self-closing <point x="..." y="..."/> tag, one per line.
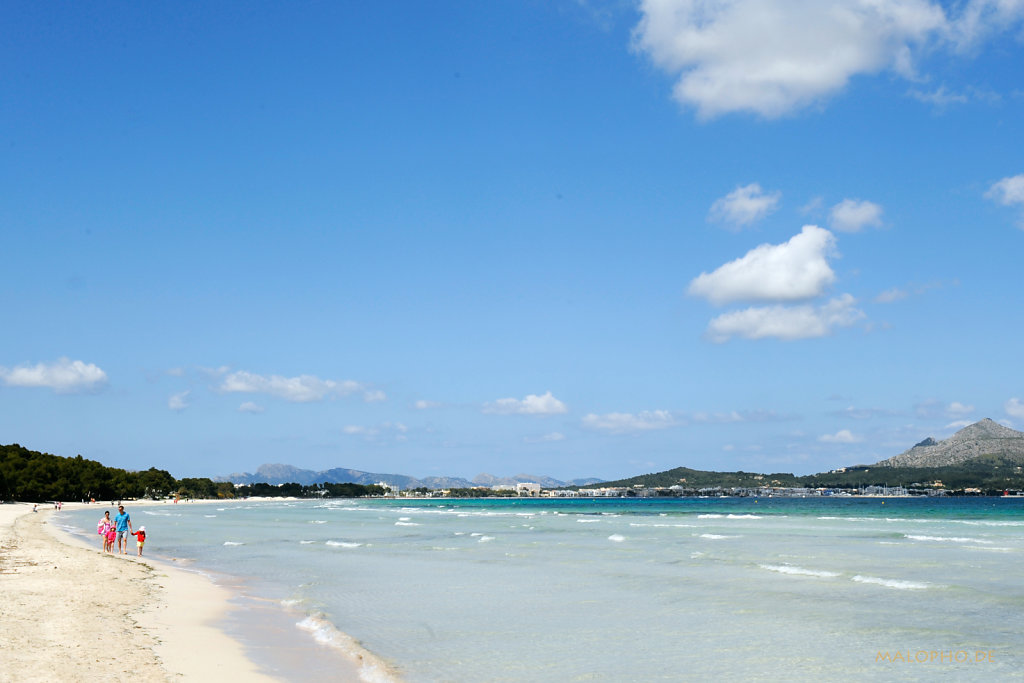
<point x="546" y="438"/>
<point x="774" y="57"/>
<point x="957" y="425"/>
<point x="785" y="322"/>
<point x="374" y="395"/>
<point x="301" y="389"/>
<point x="392" y="430"/>
<point x="64" y="376"/>
<point x="1014" y="408"/>
<point x="842" y="436"/>
<point x="621" y="423"/>
<point x="853" y="215"/>
<point x="1009" y="192"/>
<point x="531" y="405"/>
<point x="797" y="269"/>
<point x="250" y="407"/>
<point x="939" y="98"/>
<point x="179" y="402"/>
<point x="426" y="405"/>
<point x="956" y="409"/>
<point x="891" y="295"/>
<point x="744" y="205"/>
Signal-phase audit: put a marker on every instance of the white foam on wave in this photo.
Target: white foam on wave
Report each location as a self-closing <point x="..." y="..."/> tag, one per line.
<point x="486" y="539"/>
<point x="209" y="516"/>
<point x="233" y="543"/>
<point x="664" y="526"/>
<point x="343" y="544"/>
<point x="588" y="521"/>
<point x="406" y="524"/>
<point x="306" y="542"/>
<point x="318" y="521"/>
<point x="898" y="584"/>
<point x="716" y="537"/>
<point x="371" y="668"/>
<point x="617" y="538"/>
<point x="797" y="571"/>
<point x="710" y="515"/>
<point x="404" y="519"/>
<point x="732" y="516"/>
<point x="945" y="539"/>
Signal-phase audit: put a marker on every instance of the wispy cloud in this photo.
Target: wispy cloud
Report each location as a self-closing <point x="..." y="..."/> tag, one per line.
<point x="1014" y="408"/>
<point x="250" y="407"/>
<point x="178" y="402"/>
<point x="301" y="389"/>
<point x="545" y="404"/>
<point x="787" y="323"/>
<point x="853" y="215"/>
<point x="545" y="438"/>
<point x="743" y="206"/>
<point x="1009" y="192"/>
<point x="622" y="423"/>
<point x="844" y="436"/>
<point x="64" y="376"/>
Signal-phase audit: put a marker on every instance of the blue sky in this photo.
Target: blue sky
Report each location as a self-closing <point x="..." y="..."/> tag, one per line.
<point x="568" y="238"/>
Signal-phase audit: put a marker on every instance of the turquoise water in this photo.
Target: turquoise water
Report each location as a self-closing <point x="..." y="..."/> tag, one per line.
<point x="596" y="590"/>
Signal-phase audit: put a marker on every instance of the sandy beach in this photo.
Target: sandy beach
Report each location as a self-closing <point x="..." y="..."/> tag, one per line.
<point x="71" y="612"/>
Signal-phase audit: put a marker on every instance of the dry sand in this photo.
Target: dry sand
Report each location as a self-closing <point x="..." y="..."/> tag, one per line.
<point x="71" y="612"/>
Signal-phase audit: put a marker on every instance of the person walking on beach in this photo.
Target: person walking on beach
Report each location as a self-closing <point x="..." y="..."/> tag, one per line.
<point x="105" y="525"/>
<point x="124" y="527"/>
<point x="140" y="536"/>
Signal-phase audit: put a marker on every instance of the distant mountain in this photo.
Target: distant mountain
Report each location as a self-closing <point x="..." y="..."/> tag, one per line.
<point x="981" y="438"/>
<point x="284" y="474"/>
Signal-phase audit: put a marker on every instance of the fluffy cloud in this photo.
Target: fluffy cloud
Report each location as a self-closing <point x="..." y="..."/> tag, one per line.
<point x="301" y="389"/>
<point x="1009" y="192"/>
<point x="622" y="423"/>
<point x="64" y="376"/>
<point x="178" y="402"/>
<point x="744" y="205"/>
<point x="773" y="57"/>
<point x="250" y="407"/>
<point x="797" y="269"/>
<point x="531" y="405"/>
<point x="842" y="436"/>
<point x="1014" y="408"/>
<point x="426" y="405"/>
<point x="785" y="322"/>
<point x="853" y="215"/>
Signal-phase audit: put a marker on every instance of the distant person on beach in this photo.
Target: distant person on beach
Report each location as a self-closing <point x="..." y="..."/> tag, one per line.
<point x="103" y="528"/>
<point x="124" y="527"/>
<point x="140" y="537"/>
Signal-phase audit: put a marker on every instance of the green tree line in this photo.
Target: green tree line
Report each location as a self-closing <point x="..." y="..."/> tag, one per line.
<point x="36" y="477"/>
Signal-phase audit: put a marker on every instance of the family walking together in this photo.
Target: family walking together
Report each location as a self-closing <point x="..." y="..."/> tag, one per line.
<point x="118" y="529"/>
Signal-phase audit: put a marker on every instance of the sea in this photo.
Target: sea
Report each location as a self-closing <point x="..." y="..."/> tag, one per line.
<point x="612" y="589"/>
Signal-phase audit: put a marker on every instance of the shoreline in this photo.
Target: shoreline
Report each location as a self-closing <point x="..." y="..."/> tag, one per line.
<point x="70" y="613"/>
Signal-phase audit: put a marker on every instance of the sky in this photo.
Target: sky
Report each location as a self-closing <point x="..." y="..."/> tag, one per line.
<point x="574" y="238"/>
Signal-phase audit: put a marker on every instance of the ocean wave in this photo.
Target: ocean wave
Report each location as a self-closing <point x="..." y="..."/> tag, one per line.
<point x="617" y="538"/>
<point x="233" y="543"/>
<point x="716" y="537"/>
<point x="947" y="539"/>
<point x="486" y="539"/>
<point x="306" y="542"/>
<point x="710" y="515"/>
<point x="588" y="521"/>
<point x="371" y="668"/>
<point x="663" y="526"/>
<point x="898" y="584"/>
<point x="797" y="571"/>
<point x="318" y="521"/>
<point x="343" y="544"/>
<point x="400" y="523"/>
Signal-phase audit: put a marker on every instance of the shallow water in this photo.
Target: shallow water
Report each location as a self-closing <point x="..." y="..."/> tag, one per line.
<point x="631" y="589"/>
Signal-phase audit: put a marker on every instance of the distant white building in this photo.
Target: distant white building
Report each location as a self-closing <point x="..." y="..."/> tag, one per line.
<point x="525" y="488"/>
